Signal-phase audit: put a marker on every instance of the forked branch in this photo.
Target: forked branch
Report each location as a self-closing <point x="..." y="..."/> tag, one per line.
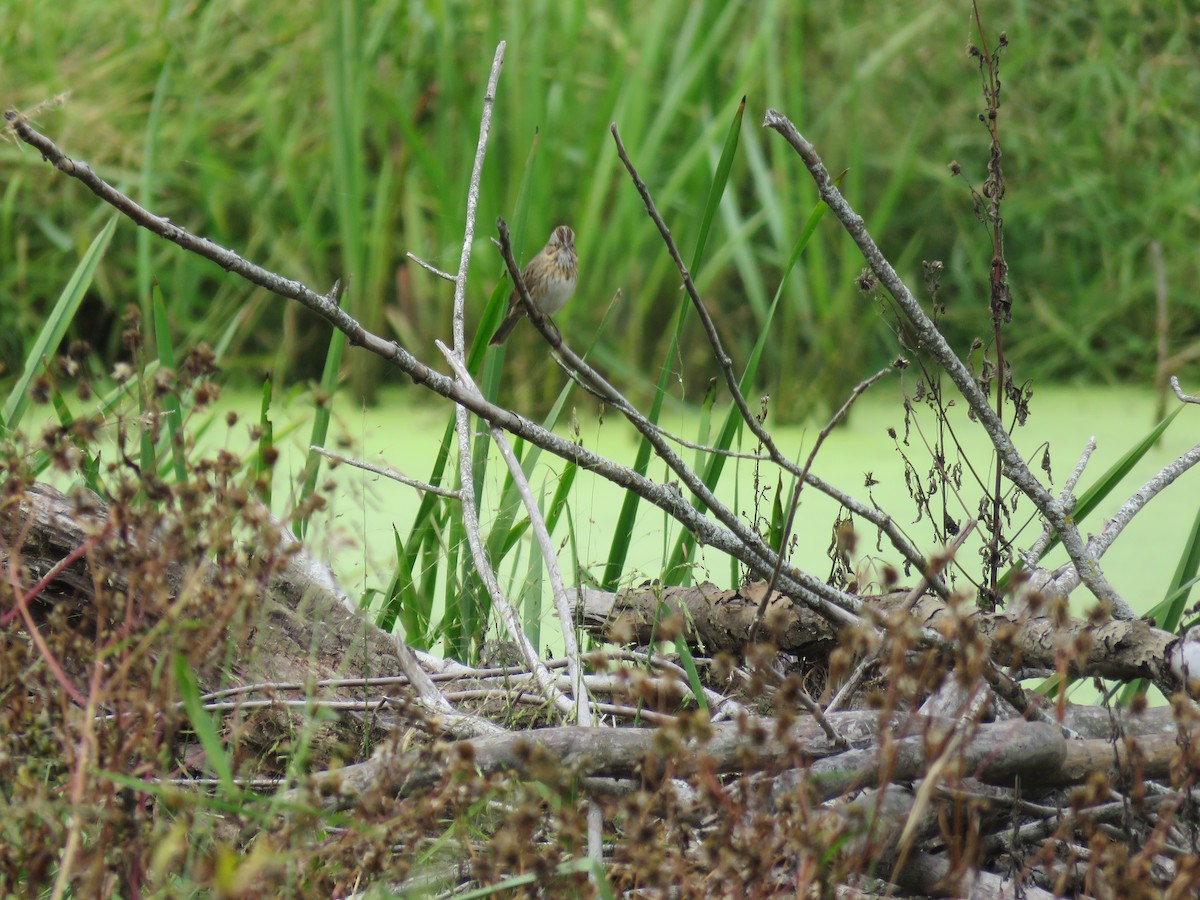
<point x="931" y="338"/>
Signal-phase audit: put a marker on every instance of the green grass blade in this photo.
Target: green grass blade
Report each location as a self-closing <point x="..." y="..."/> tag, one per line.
<point x="619" y="549"/>
<point x="55" y="328"/>
<point x="512" y="537"/>
<point x="704" y="426"/>
<point x="503" y="533"/>
<point x="778" y="519"/>
<point x="430" y="502"/>
<point x="720" y="180"/>
<point x="497" y="304"/>
<point x="532" y="595"/>
<point x="623" y="532"/>
<point x="203" y="724"/>
<point x="235" y="327"/>
<point x="1094" y="495"/>
<point x="733" y="423"/>
<point x="402" y="603"/>
<point x="345" y="79"/>
<point x="685" y="654"/>
<point x="1172" y="606"/>
<point x="147" y="177"/>
<point x="423" y="546"/>
<point x="689" y="665"/>
<point x="265" y="453"/>
<point x="1169" y="613"/>
<point x="166" y="357"/>
<point x="525" y="190"/>
<point x="463" y="619"/>
<point x="89" y="466"/>
<point x="561" y="493"/>
<point x="320" y="429"/>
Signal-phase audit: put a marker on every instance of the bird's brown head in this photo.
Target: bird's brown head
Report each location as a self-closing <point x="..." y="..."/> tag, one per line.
<point x="563" y="237"/>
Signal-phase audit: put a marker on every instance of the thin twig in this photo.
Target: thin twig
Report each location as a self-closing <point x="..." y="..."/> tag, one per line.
<point x="47" y="654"/>
<point x="324" y="305"/>
<point x="731" y="541"/>
<point x="856" y="677"/>
<point x="723" y="360"/>
<point x="1183" y="398"/>
<point x="1100" y="543"/>
<point x="1066" y="497"/>
<point x="464" y="262"/>
<point x="422" y="486"/>
<point x="931" y="338"/>
<point x="794" y="505"/>
<point x="429" y="267"/>
<point x="660" y="496"/>
<point x="728" y="540"/>
<point x="23" y="598"/>
<point x="836" y="606"/>
<point x="471" y="526"/>
<point x="583" y="712"/>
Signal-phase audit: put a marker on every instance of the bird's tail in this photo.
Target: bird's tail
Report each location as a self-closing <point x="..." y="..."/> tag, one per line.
<point x="505" y="329"/>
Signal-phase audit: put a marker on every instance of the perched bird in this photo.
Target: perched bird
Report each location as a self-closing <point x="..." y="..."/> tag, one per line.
<point x="550" y="279"/>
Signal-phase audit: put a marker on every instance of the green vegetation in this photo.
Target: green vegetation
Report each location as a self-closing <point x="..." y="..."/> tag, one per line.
<point x="326" y="140"/>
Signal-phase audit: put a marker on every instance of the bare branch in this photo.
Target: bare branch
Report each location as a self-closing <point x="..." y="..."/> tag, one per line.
<point x="710" y="329"/>
<point x="1183" y="398"/>
<point x="1100" y="543"/>
<point x="880" y="520"/>
<point x="583" y="711"/>
<point x="733" y="539"/>
<point x="464" y="262"/>
<point x="858" y="391"/>
<point x="1067" y="498"/>
<point x="429" y="267"/>
<point x="931" y="338"/>
<point x="416" y="483"/>
<point x="835" y="605"/>
<point x="324" y="305"/>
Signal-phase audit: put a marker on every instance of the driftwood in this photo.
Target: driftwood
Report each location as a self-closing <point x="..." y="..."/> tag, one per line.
<point x="1034" y="754"/>
<point x="715" y="620"/>
<point x="871" y="766"/>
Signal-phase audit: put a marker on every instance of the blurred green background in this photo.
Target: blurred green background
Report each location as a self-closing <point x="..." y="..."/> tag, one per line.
<point x="324" y="140"/>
